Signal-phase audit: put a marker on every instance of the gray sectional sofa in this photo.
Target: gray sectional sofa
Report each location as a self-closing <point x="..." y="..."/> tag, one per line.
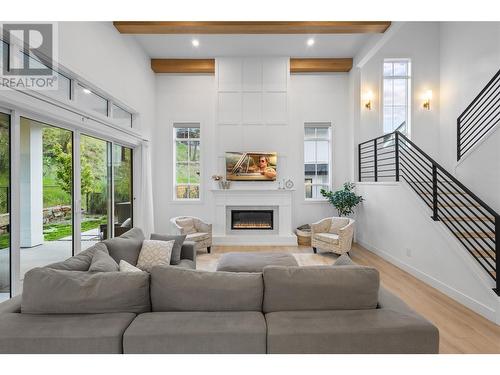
<point x="323" y="309"/>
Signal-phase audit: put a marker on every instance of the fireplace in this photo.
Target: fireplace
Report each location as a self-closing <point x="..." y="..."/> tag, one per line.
<point x="252" y="219"/>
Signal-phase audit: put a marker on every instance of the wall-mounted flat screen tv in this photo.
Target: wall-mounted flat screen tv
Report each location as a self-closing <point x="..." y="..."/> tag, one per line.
<point x="251" y="166"/>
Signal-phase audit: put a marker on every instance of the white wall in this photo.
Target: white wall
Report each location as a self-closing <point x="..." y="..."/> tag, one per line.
<point x="113" y="62"/>
<point x="187" y="98"/>
<point x="395" y="224"/>
<point x="470" y="56"/>
<point x="182" y="98"/>
<point x="418" y="41"/>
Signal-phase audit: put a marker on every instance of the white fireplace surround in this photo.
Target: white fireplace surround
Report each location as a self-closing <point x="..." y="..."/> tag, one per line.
<point x="277" y="199"/>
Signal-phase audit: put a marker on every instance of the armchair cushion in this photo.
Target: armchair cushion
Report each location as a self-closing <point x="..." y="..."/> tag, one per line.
<point x="176" y="250"/>
<point x="327" y="237"/>
<point x="187" y="224"/>
<point x="337" y="224"/>
<point x="196" y="237"/>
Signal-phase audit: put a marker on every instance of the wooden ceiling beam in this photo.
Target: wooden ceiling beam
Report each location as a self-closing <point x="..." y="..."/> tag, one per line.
<point x="306" y="65"/>
<point x="251" y="27"/>
<point x="183" y="66"/>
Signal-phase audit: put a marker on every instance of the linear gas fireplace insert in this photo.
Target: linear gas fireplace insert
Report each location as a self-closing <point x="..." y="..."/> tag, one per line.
<point x="252" y="219"/>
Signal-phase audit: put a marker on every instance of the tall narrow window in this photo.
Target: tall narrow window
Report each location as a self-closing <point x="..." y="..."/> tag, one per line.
<point x="122" y="190"/>
<point x="396" y="95"/>
<point x="317" y="159"/>
<point x="187" y="161"/>
<point x="4" y="206"/>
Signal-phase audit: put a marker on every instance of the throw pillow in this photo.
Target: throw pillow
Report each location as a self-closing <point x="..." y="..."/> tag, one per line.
<point x="344" y="260"/>
<point x="154" y="253"/>
<point x="127" y="246"/>
<point x="127" y="267"/>
<point x="176" y="250"/>
<point x="337" y="224"/>
<point x="102" y="262"/>
<point x="187" y="224"/>
<point x="81" y="261"/>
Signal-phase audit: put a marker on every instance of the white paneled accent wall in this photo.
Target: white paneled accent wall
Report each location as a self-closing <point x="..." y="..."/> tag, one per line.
<point x="251" y="104"/>
<point x="252" y="110"/>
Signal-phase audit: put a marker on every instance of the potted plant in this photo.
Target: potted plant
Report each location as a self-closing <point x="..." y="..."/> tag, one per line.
<point x="344" y="200"/>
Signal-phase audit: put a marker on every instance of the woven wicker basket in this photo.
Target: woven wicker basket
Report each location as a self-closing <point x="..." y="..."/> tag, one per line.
<point x="303" y="237"/>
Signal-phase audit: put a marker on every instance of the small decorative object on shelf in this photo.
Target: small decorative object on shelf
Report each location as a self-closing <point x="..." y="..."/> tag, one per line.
<point x="220" y="179"/>
<point x="289" y="184"/>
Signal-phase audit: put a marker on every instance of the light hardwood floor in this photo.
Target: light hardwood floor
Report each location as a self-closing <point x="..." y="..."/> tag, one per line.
<point x="461" y="330"/>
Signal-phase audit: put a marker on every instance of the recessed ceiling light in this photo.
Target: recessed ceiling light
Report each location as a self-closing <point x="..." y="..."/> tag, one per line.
<point x="195" y="42"/>
<point x="310" y="42"/>
<point x="87" y="91"/>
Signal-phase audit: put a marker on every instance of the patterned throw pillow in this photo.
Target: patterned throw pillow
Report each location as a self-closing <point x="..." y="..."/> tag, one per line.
<point x="127" y="267"/>
<point x="344" y="260"/>
<point x="154" y="253"/>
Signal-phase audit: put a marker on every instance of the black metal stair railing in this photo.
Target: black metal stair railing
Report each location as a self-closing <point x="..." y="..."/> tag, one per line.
<point x="480" y="116"/>
<point x="394" y="157"/>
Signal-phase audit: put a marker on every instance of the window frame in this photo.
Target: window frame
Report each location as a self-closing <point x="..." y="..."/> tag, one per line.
<point x="186" y="125"/>
<point x="409" y="92"/>
<point x="316" y="125"/>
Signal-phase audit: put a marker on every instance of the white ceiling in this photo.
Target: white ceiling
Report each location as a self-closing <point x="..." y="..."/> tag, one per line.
<point x="180" y="46"/>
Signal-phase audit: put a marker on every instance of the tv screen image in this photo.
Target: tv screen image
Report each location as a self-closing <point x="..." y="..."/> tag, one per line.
<point x="251" y="166"/>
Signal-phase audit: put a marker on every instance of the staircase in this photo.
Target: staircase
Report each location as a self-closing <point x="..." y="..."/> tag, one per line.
<point x="394" y="157"/>
<point x="479" y="118"/>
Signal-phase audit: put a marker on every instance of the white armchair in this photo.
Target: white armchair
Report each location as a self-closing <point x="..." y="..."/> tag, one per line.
<point x="332" y="234"/>
<point x="195" y="229"/>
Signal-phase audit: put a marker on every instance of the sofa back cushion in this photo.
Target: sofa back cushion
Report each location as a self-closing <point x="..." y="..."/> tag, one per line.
<point x="176" y="289"/>
<point x="320" y="288"/>
<point x="126" y="247"/>
<point x="49" y="291"/>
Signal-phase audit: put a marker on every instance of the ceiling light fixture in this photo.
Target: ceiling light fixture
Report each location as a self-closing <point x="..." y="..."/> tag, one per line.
<point x="86" y="91"/>
<point x="195" y="42"/>
<point x="310" y="42"/>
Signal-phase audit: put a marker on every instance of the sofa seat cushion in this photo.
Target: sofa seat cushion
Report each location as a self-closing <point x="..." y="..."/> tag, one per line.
<point x="374" y="331"/>
<point x="228" y="332"/>
<point x="330" y="238"/>
<point x="198" y="236"/>
<point x="254" y="262"/>
<point x="63" y="334"/>
<point x="187" y="264"/>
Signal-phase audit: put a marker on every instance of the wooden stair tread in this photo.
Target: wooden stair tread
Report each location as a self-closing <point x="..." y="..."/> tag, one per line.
<point x="472" y="234"/>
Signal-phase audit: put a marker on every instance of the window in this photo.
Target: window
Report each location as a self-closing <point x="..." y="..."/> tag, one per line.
<point x="317" y="159"/>
<point x="123" y="189"/>
<point x="396" y="95"/>
<point x="187" y="161"/>
<point x="121" y="116"/>
<point x="90" y="100"/>
<point x="5" y="252"/>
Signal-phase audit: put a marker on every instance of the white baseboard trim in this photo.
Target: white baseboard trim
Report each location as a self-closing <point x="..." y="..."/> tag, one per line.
<point x="451" y="292"/>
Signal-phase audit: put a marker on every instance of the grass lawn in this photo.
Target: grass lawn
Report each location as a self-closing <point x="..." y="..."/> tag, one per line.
<point x="54" y="232"/>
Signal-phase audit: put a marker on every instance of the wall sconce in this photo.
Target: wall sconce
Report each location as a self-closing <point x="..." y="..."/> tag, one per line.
<point x="427" y="100"/>
<point x="368" y="100"/>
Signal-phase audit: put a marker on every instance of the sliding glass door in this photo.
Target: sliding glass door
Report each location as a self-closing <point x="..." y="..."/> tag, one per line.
<point x="122" y="189"/>
<point x="48" y="208"/>
<point x="46" y="194"/>
<point x="95" y="178"/>
<point x="5" y="254"/>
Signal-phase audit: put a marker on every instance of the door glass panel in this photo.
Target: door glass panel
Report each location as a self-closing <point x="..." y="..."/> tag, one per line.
<point x="122" y="184"/>
<point x="46" y="194"/>
<point x="95" y="190"/>
<point x="4" y="206"/>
